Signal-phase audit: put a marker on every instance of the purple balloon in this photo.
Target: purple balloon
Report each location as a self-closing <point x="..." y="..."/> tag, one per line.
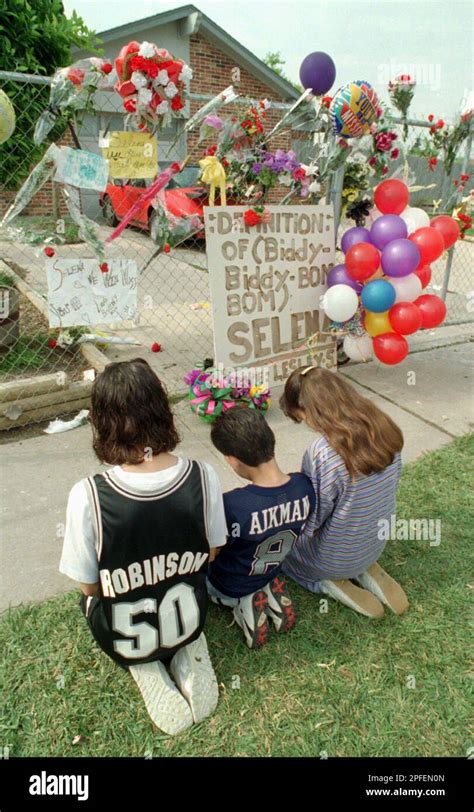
<point x="354" y="236"/>
<point x="387" y="228"/>
<point x="400" y="257"/>
<point x="338" y="276"/>
<point x="317" y="72"/>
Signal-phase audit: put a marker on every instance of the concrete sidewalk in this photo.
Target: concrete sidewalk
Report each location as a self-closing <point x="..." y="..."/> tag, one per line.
<point x="429" y="396"/>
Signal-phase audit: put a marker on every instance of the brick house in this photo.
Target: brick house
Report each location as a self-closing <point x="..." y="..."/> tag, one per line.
<point x="212" y="53"/>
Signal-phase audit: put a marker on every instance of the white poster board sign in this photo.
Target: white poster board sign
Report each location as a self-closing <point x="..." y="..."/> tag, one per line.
<point x="266" y="286"/>
<point x="80" y="294"/>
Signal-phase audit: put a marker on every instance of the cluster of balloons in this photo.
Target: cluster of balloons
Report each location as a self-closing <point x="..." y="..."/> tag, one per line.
<point x="385" y="270"/>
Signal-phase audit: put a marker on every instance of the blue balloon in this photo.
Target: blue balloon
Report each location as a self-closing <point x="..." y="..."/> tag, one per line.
<point x="378" y="296"/>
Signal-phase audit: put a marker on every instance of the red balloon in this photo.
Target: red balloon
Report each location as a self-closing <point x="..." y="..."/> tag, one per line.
<point x="405" y="318"/>
<point x="424" y="275"/>
<point x="432" y="309"/>
<point x="429" y="243"/>
<point x="362" y="260"/>
<point x="390" y="348"/>
<point x="391" y="196"/>
<point x="447" y="227"/>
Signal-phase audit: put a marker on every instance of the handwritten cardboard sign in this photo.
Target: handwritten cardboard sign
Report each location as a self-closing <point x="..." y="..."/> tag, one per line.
<point x="78" y="167"/>
<point x="80" y="294"/>
<point x="266" y="286"/>
<point x="130" y="155"/>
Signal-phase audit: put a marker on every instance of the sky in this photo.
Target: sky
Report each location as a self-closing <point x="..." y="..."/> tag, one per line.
<point x="372" y="40"/>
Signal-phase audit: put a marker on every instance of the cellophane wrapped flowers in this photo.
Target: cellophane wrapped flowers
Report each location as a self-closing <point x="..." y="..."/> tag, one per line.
<point x="71" y="92"/>
<point x="213" y="391"/>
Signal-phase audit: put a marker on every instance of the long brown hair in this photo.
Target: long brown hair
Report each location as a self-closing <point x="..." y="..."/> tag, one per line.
<point x="130" y="414"/>
<point x="365" y="437"/>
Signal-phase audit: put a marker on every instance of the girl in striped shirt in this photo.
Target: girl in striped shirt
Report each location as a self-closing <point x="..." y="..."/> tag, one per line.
<point x="354" y="465"/>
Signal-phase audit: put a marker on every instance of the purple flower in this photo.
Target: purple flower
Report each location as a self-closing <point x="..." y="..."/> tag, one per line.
<point x="292" y="162"/>
<point x="269" y="160"/>
<point x="279" y="161"/>
<point x="257" y="168"/>
<point x="214" y="121"/>
<point x="304" y="192"/>
<point x="191" y="376"/>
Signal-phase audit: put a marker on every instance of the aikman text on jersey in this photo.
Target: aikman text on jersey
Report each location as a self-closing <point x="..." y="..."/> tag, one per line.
<point x="274" y="517"/>
<point x="149" y="572"/>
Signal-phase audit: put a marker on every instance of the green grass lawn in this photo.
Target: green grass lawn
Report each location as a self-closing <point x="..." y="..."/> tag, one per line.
<point x="338" y="683"/>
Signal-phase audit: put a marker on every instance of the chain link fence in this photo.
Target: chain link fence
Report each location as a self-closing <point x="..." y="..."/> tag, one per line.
<point x="40" y="379"/>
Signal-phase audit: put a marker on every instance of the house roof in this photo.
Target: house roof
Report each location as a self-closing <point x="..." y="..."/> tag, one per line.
<point x="193" y="20"/>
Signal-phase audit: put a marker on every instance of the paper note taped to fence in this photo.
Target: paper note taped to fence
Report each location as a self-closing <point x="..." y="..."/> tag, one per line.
<point x="130" y="155"/>
<point x="80" y="294"/>
<point x="266" y="287"/>
<point x="81" y="168"/>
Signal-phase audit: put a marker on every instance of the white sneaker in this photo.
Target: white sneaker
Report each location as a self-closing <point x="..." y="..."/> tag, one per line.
<point x="192" y="669"/>
<point x="251" y="615"/>
<point x="280" y="606"/>
<point x="168" y="709"/>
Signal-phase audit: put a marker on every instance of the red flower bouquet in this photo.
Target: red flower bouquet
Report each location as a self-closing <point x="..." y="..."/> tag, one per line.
<point x="152" y="83"/>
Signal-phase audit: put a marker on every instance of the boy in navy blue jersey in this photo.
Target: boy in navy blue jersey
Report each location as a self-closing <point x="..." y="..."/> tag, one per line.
<point x="264" y="519"/>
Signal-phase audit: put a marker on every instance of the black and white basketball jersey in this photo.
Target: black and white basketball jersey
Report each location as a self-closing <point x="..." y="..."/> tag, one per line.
<point x="153" y="554"/>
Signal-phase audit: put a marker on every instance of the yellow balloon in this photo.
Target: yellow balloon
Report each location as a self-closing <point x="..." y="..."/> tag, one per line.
<point x="7" y="117"/>
<point x="377" y="323"/>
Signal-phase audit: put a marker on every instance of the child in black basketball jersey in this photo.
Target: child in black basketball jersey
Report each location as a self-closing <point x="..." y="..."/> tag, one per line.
<point x="138" y="540"/>
<point x="264" y="520"/>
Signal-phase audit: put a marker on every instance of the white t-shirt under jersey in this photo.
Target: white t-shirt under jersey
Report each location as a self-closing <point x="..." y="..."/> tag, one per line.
<point x="79" y="557"/>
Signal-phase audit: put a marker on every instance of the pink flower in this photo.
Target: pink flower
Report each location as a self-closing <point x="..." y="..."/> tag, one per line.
<point x="394" y="153"/>
<point x="405" y="79"/>
<point x="372" y="160"/>
<point x="385" y="170"/>
<point x="383" y="142"/>
<point x="76" y="76"/>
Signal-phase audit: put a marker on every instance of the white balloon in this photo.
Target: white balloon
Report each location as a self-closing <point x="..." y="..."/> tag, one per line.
<point x="340" y="302"/>
<point x="407" y="288"/>
<point x="414" y="218"/>
<point x="359" y="348"/>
